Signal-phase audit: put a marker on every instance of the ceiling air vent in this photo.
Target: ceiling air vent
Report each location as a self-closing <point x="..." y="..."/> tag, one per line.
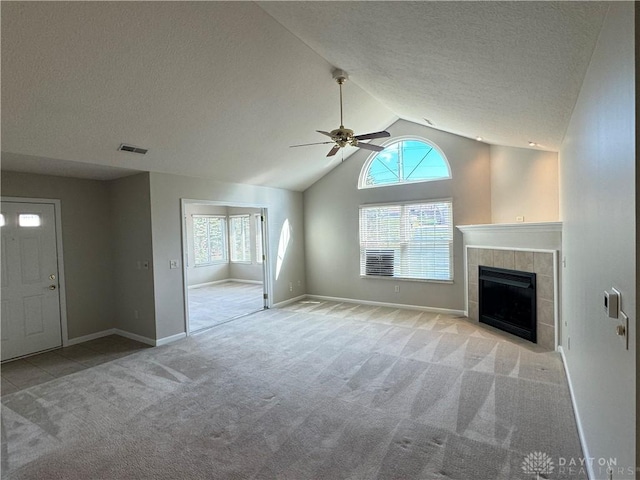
<point x="132" y="148"/>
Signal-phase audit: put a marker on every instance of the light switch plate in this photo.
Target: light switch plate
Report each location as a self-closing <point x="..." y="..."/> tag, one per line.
<point x="173" y="264"/>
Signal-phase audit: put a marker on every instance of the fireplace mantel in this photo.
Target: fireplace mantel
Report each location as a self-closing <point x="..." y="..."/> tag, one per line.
<point x="529" y="236"/>
<point x="541" y="227"/>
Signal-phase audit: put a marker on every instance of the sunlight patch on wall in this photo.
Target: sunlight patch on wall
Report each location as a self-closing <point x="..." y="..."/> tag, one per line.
<point x="285" y="237"/>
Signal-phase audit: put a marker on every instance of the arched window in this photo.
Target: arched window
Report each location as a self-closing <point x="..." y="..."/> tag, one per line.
<point x="404" y="161"/>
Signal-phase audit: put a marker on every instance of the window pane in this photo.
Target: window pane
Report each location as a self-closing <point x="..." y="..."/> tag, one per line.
<point x="405" y="161"/>
<point x="240" y="236"/>
<point x="209" y="242"/>
<point x="407" y="241"/>
<point x="29" y="220"/>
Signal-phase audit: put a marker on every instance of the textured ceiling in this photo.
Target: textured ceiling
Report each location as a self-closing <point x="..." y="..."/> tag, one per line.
<point x="221" y="89"/>
<point x="509" y="72"/>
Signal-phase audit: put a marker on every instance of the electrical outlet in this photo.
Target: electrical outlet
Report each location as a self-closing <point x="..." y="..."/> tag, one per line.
<point x="291" y="286"/>
<point x="173" y="264"/>
<point x="397" y="288"/>
<point x="136" y="314"/>
<point x="520" y="218"/>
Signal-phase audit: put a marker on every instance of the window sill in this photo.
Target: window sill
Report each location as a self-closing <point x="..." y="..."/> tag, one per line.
<point x="404" y="279"/>
<point x="212" y="264"/>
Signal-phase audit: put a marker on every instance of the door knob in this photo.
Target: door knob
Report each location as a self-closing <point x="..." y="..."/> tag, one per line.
<point x="52" y="287"/>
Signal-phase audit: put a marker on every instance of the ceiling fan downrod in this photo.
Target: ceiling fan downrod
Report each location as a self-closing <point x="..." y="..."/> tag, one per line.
<point x="340" y="76"/>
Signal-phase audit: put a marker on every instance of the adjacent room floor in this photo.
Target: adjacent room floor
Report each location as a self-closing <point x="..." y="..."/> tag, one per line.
<point x="312" y="391"/>
<point x="215" y="304"/>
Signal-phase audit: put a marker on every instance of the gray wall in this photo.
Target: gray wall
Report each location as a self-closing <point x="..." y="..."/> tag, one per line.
<point x="331" y="221"/>
<point x="166" y="192"/>
<point x="208" y="273"/>
<point x="86" y="238"/>
<point x="524" y="182"/>
<point x="598" y="198"/>
<point x="131" y="246"/>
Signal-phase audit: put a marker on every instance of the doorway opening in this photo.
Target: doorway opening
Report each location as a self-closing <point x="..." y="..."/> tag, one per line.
<point x="225" y="262"/>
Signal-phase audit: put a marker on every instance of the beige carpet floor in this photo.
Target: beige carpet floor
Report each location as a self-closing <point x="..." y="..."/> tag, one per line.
<point x="213" y="305"/>
<point x="313" y="391"/>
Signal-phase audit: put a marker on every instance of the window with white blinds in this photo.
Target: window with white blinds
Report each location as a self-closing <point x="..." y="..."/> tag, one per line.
<point x="240" y="238"/>
<point x="412" y="240"/>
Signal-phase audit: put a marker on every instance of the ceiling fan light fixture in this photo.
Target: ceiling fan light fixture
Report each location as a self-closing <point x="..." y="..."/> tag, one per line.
<point x="341" y="136"/>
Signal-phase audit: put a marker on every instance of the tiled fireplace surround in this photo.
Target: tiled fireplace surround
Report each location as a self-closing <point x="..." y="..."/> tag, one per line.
<point x="525" y="247"/>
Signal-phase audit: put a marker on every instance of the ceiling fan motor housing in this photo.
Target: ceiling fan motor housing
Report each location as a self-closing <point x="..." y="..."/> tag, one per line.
<point x="343" y="137"/>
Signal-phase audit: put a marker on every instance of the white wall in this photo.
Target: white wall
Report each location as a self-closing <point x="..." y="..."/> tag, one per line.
<point x="598" y="198"/>
<point x="524" y="182"/>
<point x="166" y="192"/>
<point x="331" y="222"/>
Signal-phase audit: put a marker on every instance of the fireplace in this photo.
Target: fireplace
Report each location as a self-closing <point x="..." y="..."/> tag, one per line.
<point x="507" y="300"/>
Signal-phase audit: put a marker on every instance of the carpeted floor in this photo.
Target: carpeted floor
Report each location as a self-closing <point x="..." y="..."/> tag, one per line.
<point x="213" y="305"/>
<point x="313" y="391"/>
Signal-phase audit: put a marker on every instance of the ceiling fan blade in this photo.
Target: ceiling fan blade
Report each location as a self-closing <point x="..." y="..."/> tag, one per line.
<point x="370" y="146"/>
<point x="324" y="133"/>
<point x="333" y="151"/>
<point x="307" y="144"/>
<point x="371" y="136"/>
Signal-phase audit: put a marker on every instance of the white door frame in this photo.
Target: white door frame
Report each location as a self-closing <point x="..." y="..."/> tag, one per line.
<point x="266" y="264"/>
<point x="62" y="292"/>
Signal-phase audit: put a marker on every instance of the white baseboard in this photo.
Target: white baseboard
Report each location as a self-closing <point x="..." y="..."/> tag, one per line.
<point x="226" y="280"/>
<point x="125" y="334"/>
<point x="284" y="303"/>
<point x="386" y="304"/>
<point x="583" y="442"/>
<point x="240" y="280"/>
<point x="133" y="336"/>
<point x="170" y="339"/>
<point x="91" y="336"/>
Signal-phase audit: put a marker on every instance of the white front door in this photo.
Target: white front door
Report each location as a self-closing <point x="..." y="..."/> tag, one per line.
<point x="30" y="295"/>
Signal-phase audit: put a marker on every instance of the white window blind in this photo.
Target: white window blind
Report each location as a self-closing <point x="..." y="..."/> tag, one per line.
<point x="209" y="239"/>
<point x="259" y="253"/>
<point x="240" y="238"/>
<point x="413" y="240"/>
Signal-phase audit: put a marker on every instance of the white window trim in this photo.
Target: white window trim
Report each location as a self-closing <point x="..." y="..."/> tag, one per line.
<point x="367" y="164"/>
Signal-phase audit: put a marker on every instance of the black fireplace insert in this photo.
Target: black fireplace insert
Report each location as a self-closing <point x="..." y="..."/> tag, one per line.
<point x="507" y="300"/>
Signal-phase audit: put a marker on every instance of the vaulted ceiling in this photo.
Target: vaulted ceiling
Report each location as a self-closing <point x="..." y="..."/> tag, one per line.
<point x="222" y="89"/>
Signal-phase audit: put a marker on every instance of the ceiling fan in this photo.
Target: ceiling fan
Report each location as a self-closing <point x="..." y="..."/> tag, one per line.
<point x="341" y="137"/>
